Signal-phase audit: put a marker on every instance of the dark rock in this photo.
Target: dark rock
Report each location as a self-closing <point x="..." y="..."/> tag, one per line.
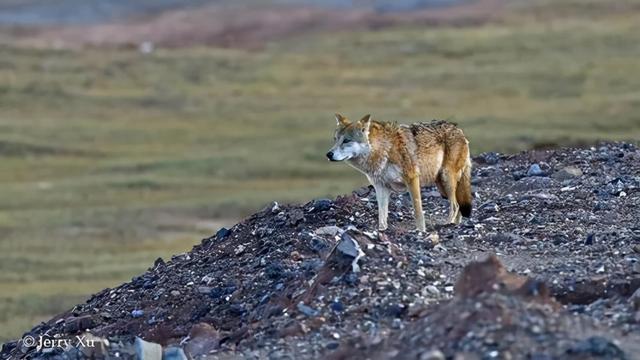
<point x="220" y="291"/>
<point x="333" y="345"/>
<point x="77" y="324"/>
<point x="275" y="271"/>
<point x="395" y="310"/>
<point x="539" y="356"/>
<point x="518" y="174"/>
<point x="311" y="266"/>
<point x="348" y="246"/>
<point x="590" y="239"/>
<point x="559" y="239"/>
<point x="222" y="234"/>
<point x="489" y="158"/>
<point x="319" y="205"/>
<point x="315" y="243"/>
<point x="337" y="306"/>
<point x="237" y="309"/>
<point x="597" y="346"/>
<point x="8" y="347"/>
<point x="350" y="279"/>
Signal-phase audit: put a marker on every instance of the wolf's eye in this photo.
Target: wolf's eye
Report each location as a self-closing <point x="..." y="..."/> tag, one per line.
<point x="346" y="141"/>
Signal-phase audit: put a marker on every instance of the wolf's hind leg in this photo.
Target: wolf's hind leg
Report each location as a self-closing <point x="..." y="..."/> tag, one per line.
<point x="382" y="197"/>
<point x="414" y="189"/>
<point x="440" y="187"/>
<point x="458" y="217"/>
<point x="449" y="183"/>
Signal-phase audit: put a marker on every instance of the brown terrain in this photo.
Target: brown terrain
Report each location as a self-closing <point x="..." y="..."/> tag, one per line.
<point x="244" y="26"/>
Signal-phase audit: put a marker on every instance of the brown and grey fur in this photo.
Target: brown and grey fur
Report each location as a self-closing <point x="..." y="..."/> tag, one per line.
<point x="405" y="157"/>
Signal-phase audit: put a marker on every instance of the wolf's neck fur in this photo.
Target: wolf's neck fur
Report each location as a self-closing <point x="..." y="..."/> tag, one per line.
<point x="373" y="162"/>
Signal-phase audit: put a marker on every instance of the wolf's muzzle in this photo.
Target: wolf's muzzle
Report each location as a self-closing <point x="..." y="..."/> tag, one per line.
<point x="330" y="156"/>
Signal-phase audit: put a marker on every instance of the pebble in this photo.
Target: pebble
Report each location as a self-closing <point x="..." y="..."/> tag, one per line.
<point x="535" y="170"/>
<point x="328" y="230"/>
<point x="174" y="353"/>
<point x="567" y="173"/>
<point x="432" y="355"/>
<point x="240" y="249"/>
<point x="433" y="290"/>
<point x="295" y="256"/>
<point x="307" y="310"/>
<point x="147" y="350"/>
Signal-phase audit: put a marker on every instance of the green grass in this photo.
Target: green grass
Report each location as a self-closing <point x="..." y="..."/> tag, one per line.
<point x="111" y="158"/>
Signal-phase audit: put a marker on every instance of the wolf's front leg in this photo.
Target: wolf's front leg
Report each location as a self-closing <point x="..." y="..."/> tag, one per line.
<point x="414" y="189"/>
<point x="382" y="197"/>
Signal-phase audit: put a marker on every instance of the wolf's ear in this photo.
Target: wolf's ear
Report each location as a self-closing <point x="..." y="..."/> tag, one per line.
<point x="365" y="123"/>
<point x="341" y="120"/>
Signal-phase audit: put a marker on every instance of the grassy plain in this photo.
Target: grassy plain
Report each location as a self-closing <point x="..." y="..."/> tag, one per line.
<point x="112" y="158"/>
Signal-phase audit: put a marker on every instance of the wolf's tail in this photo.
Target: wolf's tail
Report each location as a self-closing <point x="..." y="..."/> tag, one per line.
<point x="463" y="190"/>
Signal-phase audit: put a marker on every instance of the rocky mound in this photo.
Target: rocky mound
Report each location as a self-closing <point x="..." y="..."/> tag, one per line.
<point x="318" y="281"/>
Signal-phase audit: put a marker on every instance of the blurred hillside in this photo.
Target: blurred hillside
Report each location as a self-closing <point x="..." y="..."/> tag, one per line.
<point x="115" y="152"/>
<point x="60" y="12"/>
<point x="245" y="24"/>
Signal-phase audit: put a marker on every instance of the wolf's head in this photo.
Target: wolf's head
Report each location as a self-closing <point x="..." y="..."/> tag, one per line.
<point x="351" y="139"/>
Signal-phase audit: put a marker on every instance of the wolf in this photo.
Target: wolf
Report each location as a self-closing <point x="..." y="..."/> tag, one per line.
<point x="397" y="158"/>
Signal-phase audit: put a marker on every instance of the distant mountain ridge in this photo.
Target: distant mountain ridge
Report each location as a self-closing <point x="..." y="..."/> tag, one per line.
<point x="78" y="12"/>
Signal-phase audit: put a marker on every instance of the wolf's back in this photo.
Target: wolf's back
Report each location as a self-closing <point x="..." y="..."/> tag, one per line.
<point x="437" y="128"/>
